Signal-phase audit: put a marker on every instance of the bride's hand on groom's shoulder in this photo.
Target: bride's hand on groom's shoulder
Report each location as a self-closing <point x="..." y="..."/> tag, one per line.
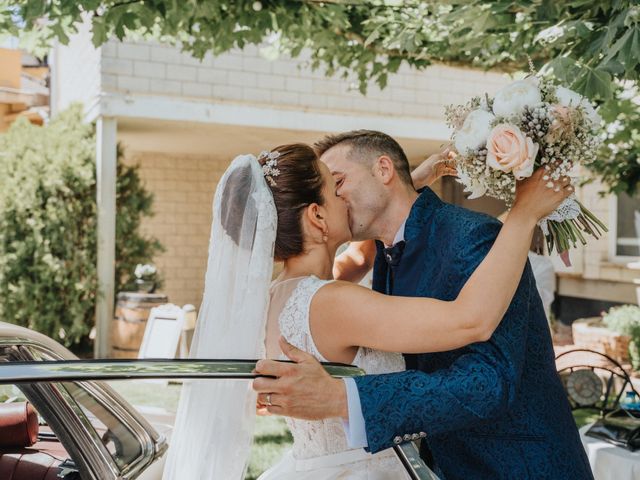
<point x="302" y="389"/>
<point x="438" y="165"/>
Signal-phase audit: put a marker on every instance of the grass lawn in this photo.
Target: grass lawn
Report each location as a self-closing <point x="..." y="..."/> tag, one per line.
<point x="271" y="439"/>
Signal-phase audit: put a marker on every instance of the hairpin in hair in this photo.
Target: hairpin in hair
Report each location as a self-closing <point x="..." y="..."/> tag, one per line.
<point x="270" y="166"/>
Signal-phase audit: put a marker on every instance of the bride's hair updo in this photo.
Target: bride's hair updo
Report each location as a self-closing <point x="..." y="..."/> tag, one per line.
<point x="298" y="184"/>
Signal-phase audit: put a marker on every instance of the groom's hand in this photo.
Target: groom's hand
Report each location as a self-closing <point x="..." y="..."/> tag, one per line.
<point x="302" y="389"/>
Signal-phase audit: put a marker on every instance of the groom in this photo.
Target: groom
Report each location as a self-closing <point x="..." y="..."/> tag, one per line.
<point x="492" y="410"/>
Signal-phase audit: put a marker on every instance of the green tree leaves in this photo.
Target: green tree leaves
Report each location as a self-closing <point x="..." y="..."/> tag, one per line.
<point x="618" y="163"/>
<point x="590" y="46"/>
<point x="593" y="83"/>
<point x="603" y="37"/>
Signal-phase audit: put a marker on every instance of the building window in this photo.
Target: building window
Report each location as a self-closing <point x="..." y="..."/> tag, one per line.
<point x="626" y="226"/>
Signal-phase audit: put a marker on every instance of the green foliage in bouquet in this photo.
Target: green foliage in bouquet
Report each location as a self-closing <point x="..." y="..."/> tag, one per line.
<point x="625" y="320"/>
<point x="48" y="276"/>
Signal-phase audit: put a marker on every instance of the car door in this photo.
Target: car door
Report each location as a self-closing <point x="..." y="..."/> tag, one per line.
<point x="70" y="391"/>
<point x="100" y="431"/>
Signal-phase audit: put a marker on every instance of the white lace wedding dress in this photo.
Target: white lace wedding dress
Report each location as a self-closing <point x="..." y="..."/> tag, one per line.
<point x="320" y="450"/>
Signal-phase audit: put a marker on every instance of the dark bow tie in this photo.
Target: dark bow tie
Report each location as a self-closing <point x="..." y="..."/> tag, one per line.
<point x="393" y="254"/>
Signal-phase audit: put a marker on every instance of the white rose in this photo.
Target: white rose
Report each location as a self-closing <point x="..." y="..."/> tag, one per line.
<point x="512" y="99"/>
<point x="569" y="98"/>
<point x="474" y="131"/>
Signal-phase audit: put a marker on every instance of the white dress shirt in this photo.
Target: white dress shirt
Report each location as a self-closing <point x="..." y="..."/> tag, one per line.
<point x="354" y="428"/>
<point x="545" y="277"/>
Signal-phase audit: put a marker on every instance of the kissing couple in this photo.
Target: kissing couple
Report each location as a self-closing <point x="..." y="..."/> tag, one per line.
<point x="453" y="337"/>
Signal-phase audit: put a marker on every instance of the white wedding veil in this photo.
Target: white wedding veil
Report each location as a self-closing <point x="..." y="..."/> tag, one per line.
<point x="214" y="423"/>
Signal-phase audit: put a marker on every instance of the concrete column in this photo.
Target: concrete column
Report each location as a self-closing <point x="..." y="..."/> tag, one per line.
<point x="106" y="158"/>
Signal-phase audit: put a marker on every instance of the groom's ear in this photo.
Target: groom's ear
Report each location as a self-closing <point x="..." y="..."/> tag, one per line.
<point x="385" y="169"/>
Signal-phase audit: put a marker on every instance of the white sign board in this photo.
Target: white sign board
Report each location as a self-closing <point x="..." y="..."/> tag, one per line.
<point x="162" y="333"/>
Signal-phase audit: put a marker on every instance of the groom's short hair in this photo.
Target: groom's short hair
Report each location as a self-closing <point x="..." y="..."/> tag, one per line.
<point x="365" y="144"/>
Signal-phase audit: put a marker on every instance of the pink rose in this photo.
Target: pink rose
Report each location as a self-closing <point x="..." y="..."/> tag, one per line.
<point x="510" y="150"/>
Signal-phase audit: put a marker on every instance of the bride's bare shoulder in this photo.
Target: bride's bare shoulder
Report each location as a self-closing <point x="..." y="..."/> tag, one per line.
<point x="339" y="291"/>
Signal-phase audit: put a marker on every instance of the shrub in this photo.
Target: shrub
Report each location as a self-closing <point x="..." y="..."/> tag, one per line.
<point x="626" y="321"/>
<point x="48" y="278"/>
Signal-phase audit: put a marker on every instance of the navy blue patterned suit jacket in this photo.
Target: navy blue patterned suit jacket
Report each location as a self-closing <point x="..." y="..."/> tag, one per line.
<point x="492" y="410"/>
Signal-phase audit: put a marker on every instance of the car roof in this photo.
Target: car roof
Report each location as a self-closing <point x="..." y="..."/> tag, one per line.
<point x="24" y="335"/>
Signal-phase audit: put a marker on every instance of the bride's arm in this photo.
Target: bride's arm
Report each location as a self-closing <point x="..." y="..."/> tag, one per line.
<point x="413" y="325"/>
<point x="356" y="261"/>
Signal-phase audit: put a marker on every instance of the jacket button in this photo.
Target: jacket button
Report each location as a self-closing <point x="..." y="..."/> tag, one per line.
<point x="407" y="437"/>
<point x="415" y="436"/>
<point x="422" y="435"/>
<point x="397" y="440"/>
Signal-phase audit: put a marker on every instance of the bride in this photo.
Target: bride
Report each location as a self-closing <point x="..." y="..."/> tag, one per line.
<point x="283" y="205"/>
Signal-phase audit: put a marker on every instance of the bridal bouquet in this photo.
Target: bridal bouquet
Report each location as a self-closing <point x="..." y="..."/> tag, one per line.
<point x="530" y="123"/>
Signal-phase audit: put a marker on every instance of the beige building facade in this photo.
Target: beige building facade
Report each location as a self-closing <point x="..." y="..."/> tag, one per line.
<point x="183" y="120"/>
<point x="23" y="88"/>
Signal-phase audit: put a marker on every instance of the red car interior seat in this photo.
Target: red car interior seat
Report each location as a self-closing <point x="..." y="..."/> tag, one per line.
<point x="22" y="456"/>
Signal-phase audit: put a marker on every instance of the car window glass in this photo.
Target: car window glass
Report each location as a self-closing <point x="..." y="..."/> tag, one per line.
<point x="122" y="444"/>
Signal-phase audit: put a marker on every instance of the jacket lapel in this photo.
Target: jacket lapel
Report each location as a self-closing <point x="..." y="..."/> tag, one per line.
<point x="421" y="214"/>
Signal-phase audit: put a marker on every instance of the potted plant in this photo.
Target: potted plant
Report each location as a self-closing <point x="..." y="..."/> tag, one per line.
<point x="626" y="321"/>
<point x="146" y="277"/>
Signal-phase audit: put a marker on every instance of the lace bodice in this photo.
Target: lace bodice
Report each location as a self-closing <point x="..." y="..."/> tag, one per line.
<point x="316" y="438"/>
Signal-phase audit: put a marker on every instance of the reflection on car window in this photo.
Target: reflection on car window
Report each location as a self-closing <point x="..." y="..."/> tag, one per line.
<point x="11" y="393"/>
<point x="122" y="444"/>
<point x="119" y="440"/>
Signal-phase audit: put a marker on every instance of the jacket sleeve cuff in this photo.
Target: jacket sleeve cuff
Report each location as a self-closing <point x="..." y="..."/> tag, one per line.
<point x="354" y="427"/>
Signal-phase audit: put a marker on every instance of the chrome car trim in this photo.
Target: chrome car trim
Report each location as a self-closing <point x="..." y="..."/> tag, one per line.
<point x="156" y="443"/>
<point x="34" y="339"/>
<point x="72" y="434"/>
<point x="80" y="370"/>
<point x="409" y="455"/>
<point x="147" y="443"/>
<point x="89" y="428"/>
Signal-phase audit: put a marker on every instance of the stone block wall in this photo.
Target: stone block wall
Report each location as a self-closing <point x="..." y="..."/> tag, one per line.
<point x="183" y="188"/>
<point x="146" y="68"/>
